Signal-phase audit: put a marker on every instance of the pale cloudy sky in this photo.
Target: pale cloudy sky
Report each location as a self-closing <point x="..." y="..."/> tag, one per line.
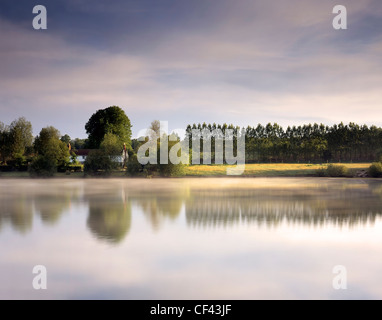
<point x="237" y="61"/>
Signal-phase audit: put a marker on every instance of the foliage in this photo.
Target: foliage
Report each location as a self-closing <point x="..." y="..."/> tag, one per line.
<point x="105" y="159"/>
<point x="315" y="143"/>
<point x="321" y="172"/>
<point x="165" y="170"/>
<point x="75" y="167"/>
<point x="111" y="145"/>
<point x="375" y="170"/>
<point x="154" y="130"/>
<point x="110" y="120"/>
<point x="42" y="140"/>
<point x="4" y="136"/>
<point x="337" y="170"/>
<point x="66" y="139"/>
<point x="379" y="155"/>
<point x="133" y="166"/>
<point x="73" y="158"/>
<point x="98" y="162"/>
<point x="20" y="136"/>
<point x="16" y="139"/>
<point x="170" y="169"/>
<point x="49" y="145"/>
<point x="78" y="143"/>
<point x="42" y="166"/>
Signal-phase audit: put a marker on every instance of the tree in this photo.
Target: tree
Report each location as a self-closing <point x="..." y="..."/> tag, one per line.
<point x="110" y="120"/>
<point x="169" y="169"/>
<point x="98" y="162"/>
<point x="42" y="167"/>
<point x="133" y="166"/>
<point x="15" y="140"/>
<point x="4" y="142"/>
<point x="111" y="145"/>
<point x="78" y="143"/>
<point x="154" y="130"/>
<point x="66" y="139"/>
<point x="21" y="136"/>
<point x="48" y="145"/>
<point x="104" y="159"/>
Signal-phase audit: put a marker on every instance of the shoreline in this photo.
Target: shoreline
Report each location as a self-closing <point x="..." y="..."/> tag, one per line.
<point x="263" y="170"/>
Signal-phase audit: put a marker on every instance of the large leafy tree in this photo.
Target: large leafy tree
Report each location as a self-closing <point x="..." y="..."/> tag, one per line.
<point x="16" y="139"/>
<point x="111" y="145"/>
<point x="48" y="145"/>
<point x="21" y="136"/>
<point x="105" y="159"/>
<point x="110" y="120"/>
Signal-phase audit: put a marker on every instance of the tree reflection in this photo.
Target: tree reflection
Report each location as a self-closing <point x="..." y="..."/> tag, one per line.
<point x="160" y="205"/>
<point x="50" y="204"/>
<point x="110" y="204"/>
<point x="19" y="202"/>
<point x="271" y="208"/>
<point x="18" y="211"/>
<point x="109" y="216"/>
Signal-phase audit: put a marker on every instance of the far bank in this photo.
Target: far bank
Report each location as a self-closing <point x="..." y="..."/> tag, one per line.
<point x="251" y="170"/>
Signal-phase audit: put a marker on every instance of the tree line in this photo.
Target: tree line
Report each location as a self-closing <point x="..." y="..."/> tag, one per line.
<point x="42" y="154"/>
<point x="108" y="131"/>
<point x="109" y="135"/>
<point x="109" y="143"/>
<point x="317" y="143"/>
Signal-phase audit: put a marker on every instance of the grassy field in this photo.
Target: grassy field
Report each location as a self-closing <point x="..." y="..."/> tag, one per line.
<point x="251" y="170"/>
<point x="270" y="170"/>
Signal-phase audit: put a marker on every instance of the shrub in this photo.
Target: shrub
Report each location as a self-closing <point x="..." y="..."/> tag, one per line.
<point x="133" y="165"/>
<point x="171" y="170"/>
<point x="321" y="172"/>
<point x="62" y="169"/>
<point x="73" y="158"/>
<point x="337" y="170"/>
<point x="375" y="170"/>
<point x="76" y="168"/>
<point x="5" y="168"/>
<point x="20" y="160"/>
<point x="42" y="167"/>
<point x="98" y="163"/>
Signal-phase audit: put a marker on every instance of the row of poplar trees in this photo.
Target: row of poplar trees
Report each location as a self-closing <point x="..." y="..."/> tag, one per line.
<point x="315" y="143"/>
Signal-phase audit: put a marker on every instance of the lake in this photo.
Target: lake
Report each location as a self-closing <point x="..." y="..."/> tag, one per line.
<point x="199" y="238"/>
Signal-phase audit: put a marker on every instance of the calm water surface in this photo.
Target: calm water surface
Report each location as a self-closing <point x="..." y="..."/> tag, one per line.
<point x="238" y="238"/>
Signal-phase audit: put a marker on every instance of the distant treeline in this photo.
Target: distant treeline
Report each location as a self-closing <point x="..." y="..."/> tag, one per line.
<point x="308" y="143"/>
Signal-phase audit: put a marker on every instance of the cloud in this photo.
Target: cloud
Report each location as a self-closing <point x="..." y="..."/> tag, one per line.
<point x="242" y="62"/>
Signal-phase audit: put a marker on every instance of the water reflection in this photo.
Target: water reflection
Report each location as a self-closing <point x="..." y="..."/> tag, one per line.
<point x="51" y="203"/>
<point x="271" y="208"/>
<point x="109" y="203"/>
<point x="109" y="216"/>
<point x="159" y="205"/>
<point x="16" y="210"/>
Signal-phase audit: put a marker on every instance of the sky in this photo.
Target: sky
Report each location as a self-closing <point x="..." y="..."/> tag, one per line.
<point x="188" y="61"/>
